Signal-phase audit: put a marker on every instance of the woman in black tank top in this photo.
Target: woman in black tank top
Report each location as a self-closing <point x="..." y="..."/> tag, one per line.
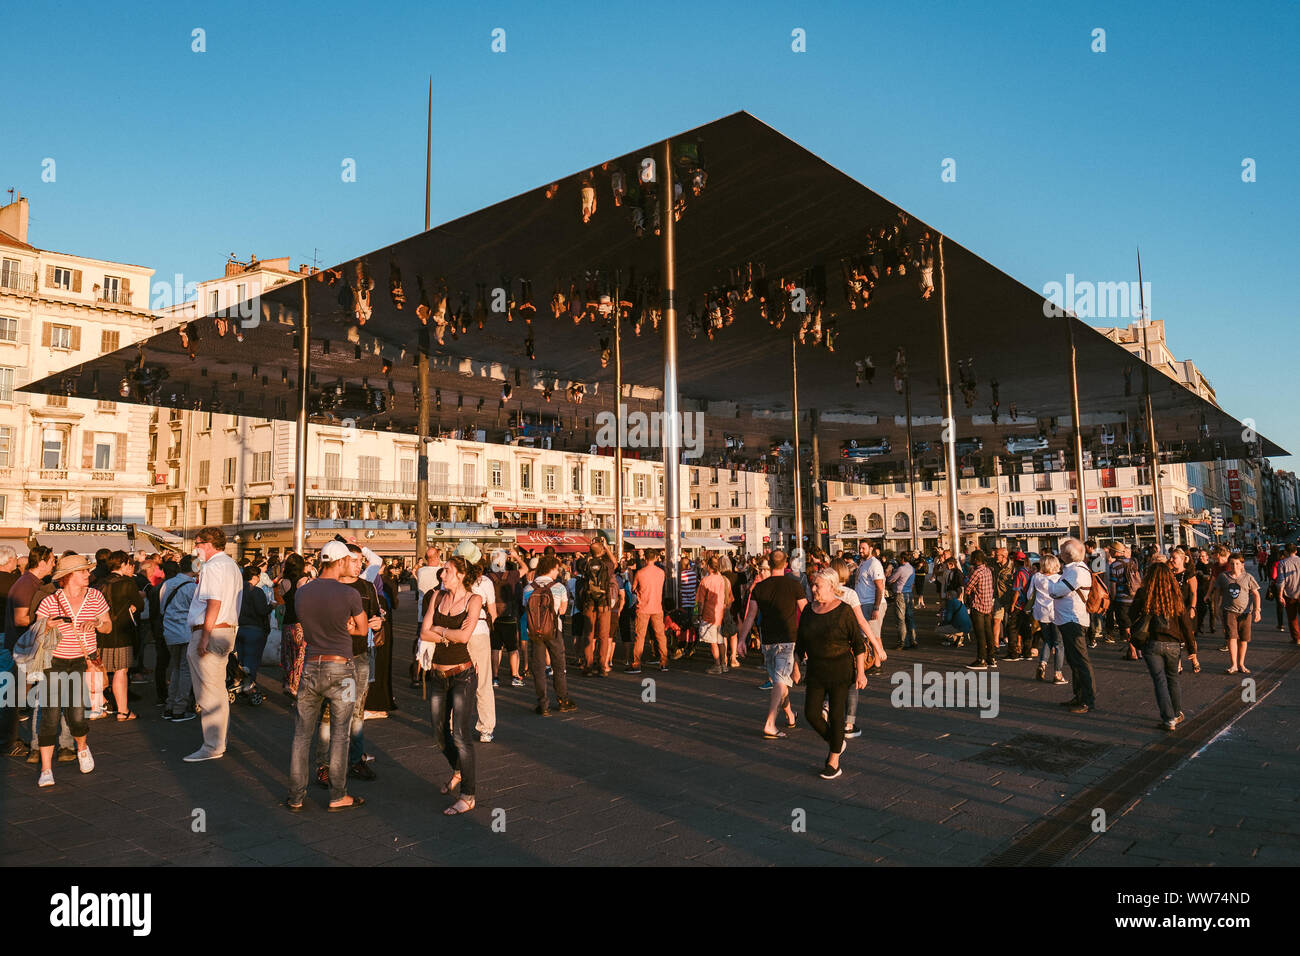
<point x="453" y="703"/>
<point x="293" y="648"/>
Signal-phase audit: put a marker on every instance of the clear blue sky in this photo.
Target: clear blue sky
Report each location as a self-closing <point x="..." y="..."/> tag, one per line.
<point x="1066" y="158"/>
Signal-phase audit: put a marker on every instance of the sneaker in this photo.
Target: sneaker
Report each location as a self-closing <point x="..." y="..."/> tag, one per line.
<point x="496" y="682"/>
<point x="992" y="665"/>
<point x="676" y="656"/>
<point x="662" y="668"/>
<point x="1110" y="639"/>
<point x="485" y="738"/>
<point x="766" y="685"/>
<point x="632" y="670"/>
<point x="1060" y="678"/>
<point x="1080" y="709"/>
<point x="1041" y="674"/>
<point x="715" y="669"/>
<point x="19" y="750"/>
<point x="167" y="716"/>
<point x="361" y="771"/>
<point x="977" y="665"/>
<point x="829" y="772"/>
<point x="549" y="671"/>
<point x="200" y="755"/>
<point x="65" y="755"/>
<point x="183" y="716"/>
<point x="1034" y="652"/>
<point x="1223" y="649"/>
<point x="47" y="779"/>
<point x="85" y="761"/>
<point x="542" y="710"/>
<point x="567" y="706"/>
<point x="34" y="755"/>
<point x="1092" y="644"/>
<point x="516" y="682"/>
<point x="852" y="732"/>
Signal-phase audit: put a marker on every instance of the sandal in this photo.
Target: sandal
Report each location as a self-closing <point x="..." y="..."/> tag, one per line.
<point x="451" y="784"/>
<point x="129" y="715"/>
<point x="793" y="723"/>
<point x="779" y="735"/>
<point x="356" y="802"/>
<point x="463" y="805"/>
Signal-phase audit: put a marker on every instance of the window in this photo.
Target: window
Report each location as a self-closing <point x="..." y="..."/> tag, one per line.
<point x="367" y="470"/>
<point x="52" y="449"/>
<point x="51" y="508"/>
<point x="4" y="501"/>
<point x="173" y="513"/>
<point x="228" y="511"/>
<point x="695" y="502"/>
<point x="695" y="476"/>
<point x="1047" y="506"/>
<point x="1143" y="476"/>
<point x="108" y="341"/>
<point x="60" y="278"/>
<point x="735" y="521"/>
<point x="598" y="481"/>
<point x="201" y="514"/>
<point x="1015" y="509"/>
<point x="875" y="522"/>
<point x="550" y="478"/>
<point x="1043" y="482"/>
<point x="713" y="500"/>
<point x="695" y="524"/>
<point x="927" y="485"/>
<point x="60" y="337"/>
<point x="261" y="466"/>
<point x="929" y="521"/>
<point x="109" y="407"/>
<point x="332" y="465"/>
<point x="525" y="476"/>
<point x="468" y="474"/>
<point x="900" y="488"/>
<point x="6" y="385"/>
<point x="228" y="472"/>
<point x="8" y="329"/>
<point x="661" y="486"/>
<point x="984" y="483"/>
<point x="112" y="291"/>
<point x="1114" y="504"/>
<point x="6" y="445"/>
<point x="715" y="524"/>
<point x="986" y="516"/>
<point x="213" y="301"/>
<point x="575" y="485"/>
<point x="205" y="472"/>
<point x="259" y="509"/>
<point x="495" y="474"/>
<point x="56" y="401"/>
<point x="735" y="499"/>
<point x="1146" y="503"/>
<point x="713" y="476"/>
<point x="406" y="470"/>
<point x="100" y="508"/>
<point x="902" y="522"/>
<point x="734" y="476"/>
<point x="1013" y="481"/>
<point x="640" y="486"/>
<point x="205" y="422"/>
<point x="104" y="445"/>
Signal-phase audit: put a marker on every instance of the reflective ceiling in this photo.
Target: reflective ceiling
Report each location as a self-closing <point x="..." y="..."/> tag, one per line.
<point x="764" y="228"/>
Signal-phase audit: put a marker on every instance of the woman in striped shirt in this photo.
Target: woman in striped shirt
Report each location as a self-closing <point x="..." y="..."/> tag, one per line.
<point x="80" y="612"/>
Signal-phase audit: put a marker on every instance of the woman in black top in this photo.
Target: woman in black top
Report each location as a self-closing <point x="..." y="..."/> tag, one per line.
<point x="1159" y="600"/>
<point x="444" y="651"/>
<point x="254" y="627"/>
<point x="830" y="637"/>
<point x="292" y="647"/>
<point x="116" y="647"/>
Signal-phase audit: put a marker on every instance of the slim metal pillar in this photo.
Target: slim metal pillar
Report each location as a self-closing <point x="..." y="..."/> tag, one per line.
<point x="819" y="539"/>
<point x="911" y="461"/>
<point x="1077" y="424"/>
<point x="672" y="433"/>
<point x="300" y="443"/>
<point x="798" y="464"/>
<point x="422" y="375"/>
<point x="949" y="422"/>
<point x="619" y="424"/>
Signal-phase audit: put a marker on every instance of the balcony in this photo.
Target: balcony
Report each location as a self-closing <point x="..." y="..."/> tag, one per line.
<point x="113" y="296"/>
<point x="103" y="476"/>
<point x="378" y="488"/>
<point x="53" y="474"/>
<point x="23" y="283"/>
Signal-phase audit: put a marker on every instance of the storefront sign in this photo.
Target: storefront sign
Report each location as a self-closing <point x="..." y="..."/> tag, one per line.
<point x="1092" y="506"/>
<point x="88" y="527"/>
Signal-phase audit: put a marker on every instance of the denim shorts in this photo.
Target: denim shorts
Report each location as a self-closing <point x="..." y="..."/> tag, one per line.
<point x="779" y="659"/>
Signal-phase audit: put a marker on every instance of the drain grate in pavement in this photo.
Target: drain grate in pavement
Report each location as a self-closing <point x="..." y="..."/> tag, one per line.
<point x="1041" y="754"/>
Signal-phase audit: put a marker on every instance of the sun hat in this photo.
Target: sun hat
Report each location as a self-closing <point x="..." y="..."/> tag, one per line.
<point x="71" y="563"/>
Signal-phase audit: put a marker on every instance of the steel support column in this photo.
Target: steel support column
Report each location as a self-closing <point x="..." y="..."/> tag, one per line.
<point x="672" y="429"/>
<point x="949" y="422"/>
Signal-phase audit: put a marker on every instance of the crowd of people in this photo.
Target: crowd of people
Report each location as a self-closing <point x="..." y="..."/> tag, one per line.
<point x="517" y="619"/>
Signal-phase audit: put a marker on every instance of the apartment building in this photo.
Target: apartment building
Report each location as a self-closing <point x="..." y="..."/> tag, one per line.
<point x="750" y="511"/>
<point x="65" y="459"/>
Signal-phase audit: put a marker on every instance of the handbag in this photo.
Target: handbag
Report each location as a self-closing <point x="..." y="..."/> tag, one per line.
<point x="1140" y="631"/>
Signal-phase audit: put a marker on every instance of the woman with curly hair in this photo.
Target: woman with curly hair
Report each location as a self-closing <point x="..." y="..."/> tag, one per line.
<point x="1159" y="601"/>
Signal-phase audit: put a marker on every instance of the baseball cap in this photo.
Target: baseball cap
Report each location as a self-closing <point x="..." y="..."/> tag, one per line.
<point x="334" y="551"/>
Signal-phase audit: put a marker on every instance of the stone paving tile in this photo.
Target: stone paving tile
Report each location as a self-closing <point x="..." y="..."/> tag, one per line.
<point x="685" y="781"/>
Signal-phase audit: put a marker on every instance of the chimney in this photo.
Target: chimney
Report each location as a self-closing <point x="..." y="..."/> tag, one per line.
<point x="13" y="218"/>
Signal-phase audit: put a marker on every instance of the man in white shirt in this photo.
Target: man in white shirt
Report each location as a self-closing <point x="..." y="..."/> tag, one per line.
<point x="1070" y="609"/>
<point x="480" y="643"/>
<point x="869" y="585"/>
<point x="213" y="620"/>
<point x="426" y="580"/>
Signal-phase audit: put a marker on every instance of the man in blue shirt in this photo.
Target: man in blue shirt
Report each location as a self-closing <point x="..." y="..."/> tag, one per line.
<point x="869" y="585"/>
<point x="900" y="583"/>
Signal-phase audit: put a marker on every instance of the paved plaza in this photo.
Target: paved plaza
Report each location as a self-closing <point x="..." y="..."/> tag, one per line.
<point x="688" y="779"/>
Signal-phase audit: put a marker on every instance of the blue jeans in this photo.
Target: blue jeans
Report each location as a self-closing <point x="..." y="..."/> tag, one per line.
<point x="250" y="642"/>
<point x="335" y="682"/>
<point x="1052" y="641"/>
<point x="8" y="695"/>
<point x="357" y="728"/>
<point x="453" y="705"/>
<point x="1162" y="661"/>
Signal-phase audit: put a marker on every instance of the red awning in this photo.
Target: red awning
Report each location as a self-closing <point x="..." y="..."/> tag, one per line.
<point x="562" y="541"/>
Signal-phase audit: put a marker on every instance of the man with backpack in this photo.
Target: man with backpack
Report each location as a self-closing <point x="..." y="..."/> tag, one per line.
<point x="1125" y="579"/>
<point x="545" y="603"/>
<point x="1077" y="595"/>
<point x="597" y="599"/>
